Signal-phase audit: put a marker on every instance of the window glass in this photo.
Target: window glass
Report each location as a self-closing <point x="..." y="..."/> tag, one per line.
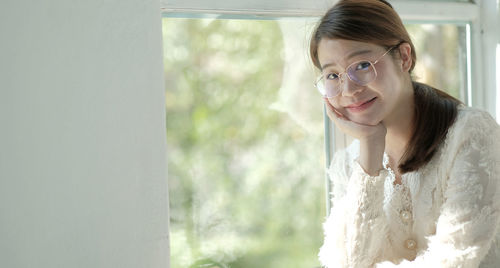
<point x="245" y="136"/>
<point x="441" y="56"/>
<point x="461" y="1"/>
<point x="245" y="139"/>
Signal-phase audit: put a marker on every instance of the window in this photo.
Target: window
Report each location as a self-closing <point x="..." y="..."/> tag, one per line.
<point x="245" y="138"/>
<point x="244" y="126"/>
<point x="441" y="56"/>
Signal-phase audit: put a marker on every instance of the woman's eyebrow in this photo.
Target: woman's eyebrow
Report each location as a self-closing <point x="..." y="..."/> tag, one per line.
<point x="359" y="52"/>
<point x="349" y="56"/>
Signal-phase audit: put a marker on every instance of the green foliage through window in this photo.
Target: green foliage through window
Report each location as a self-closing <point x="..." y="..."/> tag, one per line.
<point x="246" y="180"/>
<point x="245" y="137"/>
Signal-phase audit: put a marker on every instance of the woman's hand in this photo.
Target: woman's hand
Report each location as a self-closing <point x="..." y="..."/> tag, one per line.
<point x="356" y="130"/>
<point x="371" y="138"/>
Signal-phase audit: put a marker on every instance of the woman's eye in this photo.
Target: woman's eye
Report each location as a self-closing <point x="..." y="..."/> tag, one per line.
<point x="363" y="66"/>
<point x="332" y="76"/>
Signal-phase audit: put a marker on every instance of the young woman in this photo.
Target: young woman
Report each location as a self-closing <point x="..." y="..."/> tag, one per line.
<point x="420" y="186"/>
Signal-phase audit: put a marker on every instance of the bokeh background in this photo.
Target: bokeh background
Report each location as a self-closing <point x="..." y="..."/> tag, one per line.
<point x="245" y="136"/>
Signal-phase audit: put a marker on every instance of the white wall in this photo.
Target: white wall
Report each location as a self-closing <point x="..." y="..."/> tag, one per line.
<point x="82" y="135"/>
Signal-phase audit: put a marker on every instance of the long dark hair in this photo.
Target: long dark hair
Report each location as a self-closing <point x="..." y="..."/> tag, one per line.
<point x="376" y="22"/>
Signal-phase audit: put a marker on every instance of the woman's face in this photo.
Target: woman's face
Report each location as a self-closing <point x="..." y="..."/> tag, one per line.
<point x="374" y="102"/>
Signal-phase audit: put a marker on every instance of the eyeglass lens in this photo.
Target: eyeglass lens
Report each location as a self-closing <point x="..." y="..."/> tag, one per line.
<point x="361" y="73"/>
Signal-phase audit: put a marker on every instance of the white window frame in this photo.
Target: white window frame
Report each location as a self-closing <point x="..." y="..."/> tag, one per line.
<point x="483" y="34"/>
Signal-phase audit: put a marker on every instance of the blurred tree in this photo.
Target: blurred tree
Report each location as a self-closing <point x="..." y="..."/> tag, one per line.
<point x="441" y="56"/>
<point x="246" y="183"/>
<point x="245" y="144"/>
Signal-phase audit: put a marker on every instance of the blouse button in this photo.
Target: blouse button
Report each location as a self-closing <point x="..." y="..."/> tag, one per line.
<point x="411" y="244"/>
<point x="405" y="215"/>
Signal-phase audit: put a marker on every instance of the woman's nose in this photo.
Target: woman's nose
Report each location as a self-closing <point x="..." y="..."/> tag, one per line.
<point x="349" y="88"/>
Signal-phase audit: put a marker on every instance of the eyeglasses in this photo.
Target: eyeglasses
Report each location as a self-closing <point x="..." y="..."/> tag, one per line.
<point x="360" y="72"/>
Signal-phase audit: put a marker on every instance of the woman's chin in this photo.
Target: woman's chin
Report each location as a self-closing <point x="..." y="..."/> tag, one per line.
<point x="365" y="121"/>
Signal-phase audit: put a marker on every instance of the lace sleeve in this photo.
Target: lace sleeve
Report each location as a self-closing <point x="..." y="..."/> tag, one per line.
<point x="356" y="228"/>
<point x="469" y="216"/>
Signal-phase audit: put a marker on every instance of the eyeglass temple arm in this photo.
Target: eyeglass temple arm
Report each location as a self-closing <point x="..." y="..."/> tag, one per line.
<point x="389" y="50"/>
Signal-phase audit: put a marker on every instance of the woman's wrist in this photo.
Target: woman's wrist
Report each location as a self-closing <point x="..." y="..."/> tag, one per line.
<point x="371" y="155"/>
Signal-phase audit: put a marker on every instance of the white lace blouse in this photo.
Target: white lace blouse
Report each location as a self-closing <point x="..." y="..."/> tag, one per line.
<point x="446" y="214"/>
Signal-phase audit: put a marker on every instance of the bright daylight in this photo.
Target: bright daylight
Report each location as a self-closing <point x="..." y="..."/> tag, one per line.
<point x="250" y="134"/>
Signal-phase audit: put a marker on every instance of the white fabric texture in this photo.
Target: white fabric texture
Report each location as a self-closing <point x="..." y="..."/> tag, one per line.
<point x="446" y="214"/>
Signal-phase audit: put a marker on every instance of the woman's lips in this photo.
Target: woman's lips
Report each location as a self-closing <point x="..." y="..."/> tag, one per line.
<point x="360" y="106"/>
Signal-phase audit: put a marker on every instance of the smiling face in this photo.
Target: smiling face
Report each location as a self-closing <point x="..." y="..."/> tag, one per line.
<point x="379" y="99"/>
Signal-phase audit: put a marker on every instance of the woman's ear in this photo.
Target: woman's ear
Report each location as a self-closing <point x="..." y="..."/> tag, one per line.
<point x="405" y="53"/>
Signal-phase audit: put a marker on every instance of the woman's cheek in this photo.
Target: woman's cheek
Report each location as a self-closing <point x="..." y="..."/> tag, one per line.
<point x="334" y="104"/>
<point x="338" y="107"/>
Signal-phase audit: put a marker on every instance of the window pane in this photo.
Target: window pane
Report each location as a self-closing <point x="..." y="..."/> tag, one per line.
<point x="462" y="1"/>
<point x="245" y="138"/>
<point x="441" y="57"/>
